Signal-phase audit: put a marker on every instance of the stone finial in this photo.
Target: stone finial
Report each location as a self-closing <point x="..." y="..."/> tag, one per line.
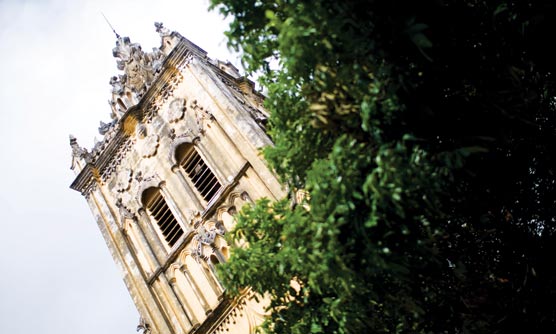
<point x="161" y="29"/>
<point x="80" y="156"/>
<point x="133" y="61"/>
<point x="105" y="127"/>
<point x="157" y="59"/>
<point x="76" y="150"/>
<point x="125" y="50"/>
<point x="117" y="83"/>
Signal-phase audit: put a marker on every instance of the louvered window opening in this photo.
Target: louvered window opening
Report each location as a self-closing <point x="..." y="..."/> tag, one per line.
<point x="200" y="174"/>
<point x="169" y="226"/>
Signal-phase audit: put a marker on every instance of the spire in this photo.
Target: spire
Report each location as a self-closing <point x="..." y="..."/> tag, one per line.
<point x="110" y="25"/>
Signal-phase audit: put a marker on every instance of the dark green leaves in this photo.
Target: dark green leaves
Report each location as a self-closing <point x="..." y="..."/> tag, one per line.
<point x="424" y="134"/>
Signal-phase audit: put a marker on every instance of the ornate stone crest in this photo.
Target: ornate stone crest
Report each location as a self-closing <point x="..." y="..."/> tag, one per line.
<point x="206" y="236"/>
<point x="148" y="146"/>
<point x="125" y="177"/>
<point x="175" y="110"/>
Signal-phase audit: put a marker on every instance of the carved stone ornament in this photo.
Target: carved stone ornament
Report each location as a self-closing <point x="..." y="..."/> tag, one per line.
<point x="76" y="150"/>
<point x="200" y="115"/>
<point x="166" y="92"/>
<point x="175" y="110"/>
<point x="105" y="127"/>
<point x="195" y="120"/>
<point x="141" y="131"/>
<point x="185" y="134"/>
<point x="139" y="67"/>
<point x="140" y="178"/>
<point x="161" y="29"/>
<point x="143" y="327"/>
<point x="148" y="146"/>
<point x="125" y="177"/>
<point x="117" y="83"/>
<point x="248" y="313"/>
<point x="125" y="213"/>
<point x="117" y="156"/>
<point x="117" y="104"/>
<point x="206" y="236"/>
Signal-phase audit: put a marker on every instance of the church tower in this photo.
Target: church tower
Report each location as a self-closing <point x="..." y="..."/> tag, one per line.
<point x="179" y="158"/>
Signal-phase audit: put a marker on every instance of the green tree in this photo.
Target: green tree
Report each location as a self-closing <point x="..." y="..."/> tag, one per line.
<point x="425" y="134"/>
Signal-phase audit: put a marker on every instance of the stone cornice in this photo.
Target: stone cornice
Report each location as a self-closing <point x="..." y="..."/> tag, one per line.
<point x="215" y="318"/>
<point x="85" y="180"/>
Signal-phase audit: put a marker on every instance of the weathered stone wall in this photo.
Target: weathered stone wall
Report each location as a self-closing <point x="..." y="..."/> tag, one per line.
<point x="188" y="99"/>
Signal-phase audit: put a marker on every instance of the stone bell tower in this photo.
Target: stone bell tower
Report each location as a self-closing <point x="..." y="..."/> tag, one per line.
<point x="178" y="159"/>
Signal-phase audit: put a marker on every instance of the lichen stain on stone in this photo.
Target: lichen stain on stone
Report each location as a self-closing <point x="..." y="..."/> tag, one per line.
<point x="96" y="174"/>
<point x="129" y="125"/>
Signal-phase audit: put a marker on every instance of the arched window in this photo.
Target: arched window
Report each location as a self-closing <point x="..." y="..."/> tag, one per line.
<point x="198" y="172"/>
<point x="158" y="209"/>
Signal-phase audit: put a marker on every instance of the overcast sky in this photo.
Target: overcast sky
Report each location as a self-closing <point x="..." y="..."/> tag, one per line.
<point x="56" y="274"/>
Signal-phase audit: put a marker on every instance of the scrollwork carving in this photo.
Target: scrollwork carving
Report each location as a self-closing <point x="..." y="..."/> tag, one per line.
<point x="139" y="67"/>
<point x="149" y="146"/>
<point x="125" y="177"/>
<point x="205" y="235"/>
<point x="200" y="116"/>
<point x="142" y="179"/>
<point x="175" y="110"/>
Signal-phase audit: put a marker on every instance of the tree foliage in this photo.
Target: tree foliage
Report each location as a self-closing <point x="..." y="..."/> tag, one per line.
<point x="424" y="132"/>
